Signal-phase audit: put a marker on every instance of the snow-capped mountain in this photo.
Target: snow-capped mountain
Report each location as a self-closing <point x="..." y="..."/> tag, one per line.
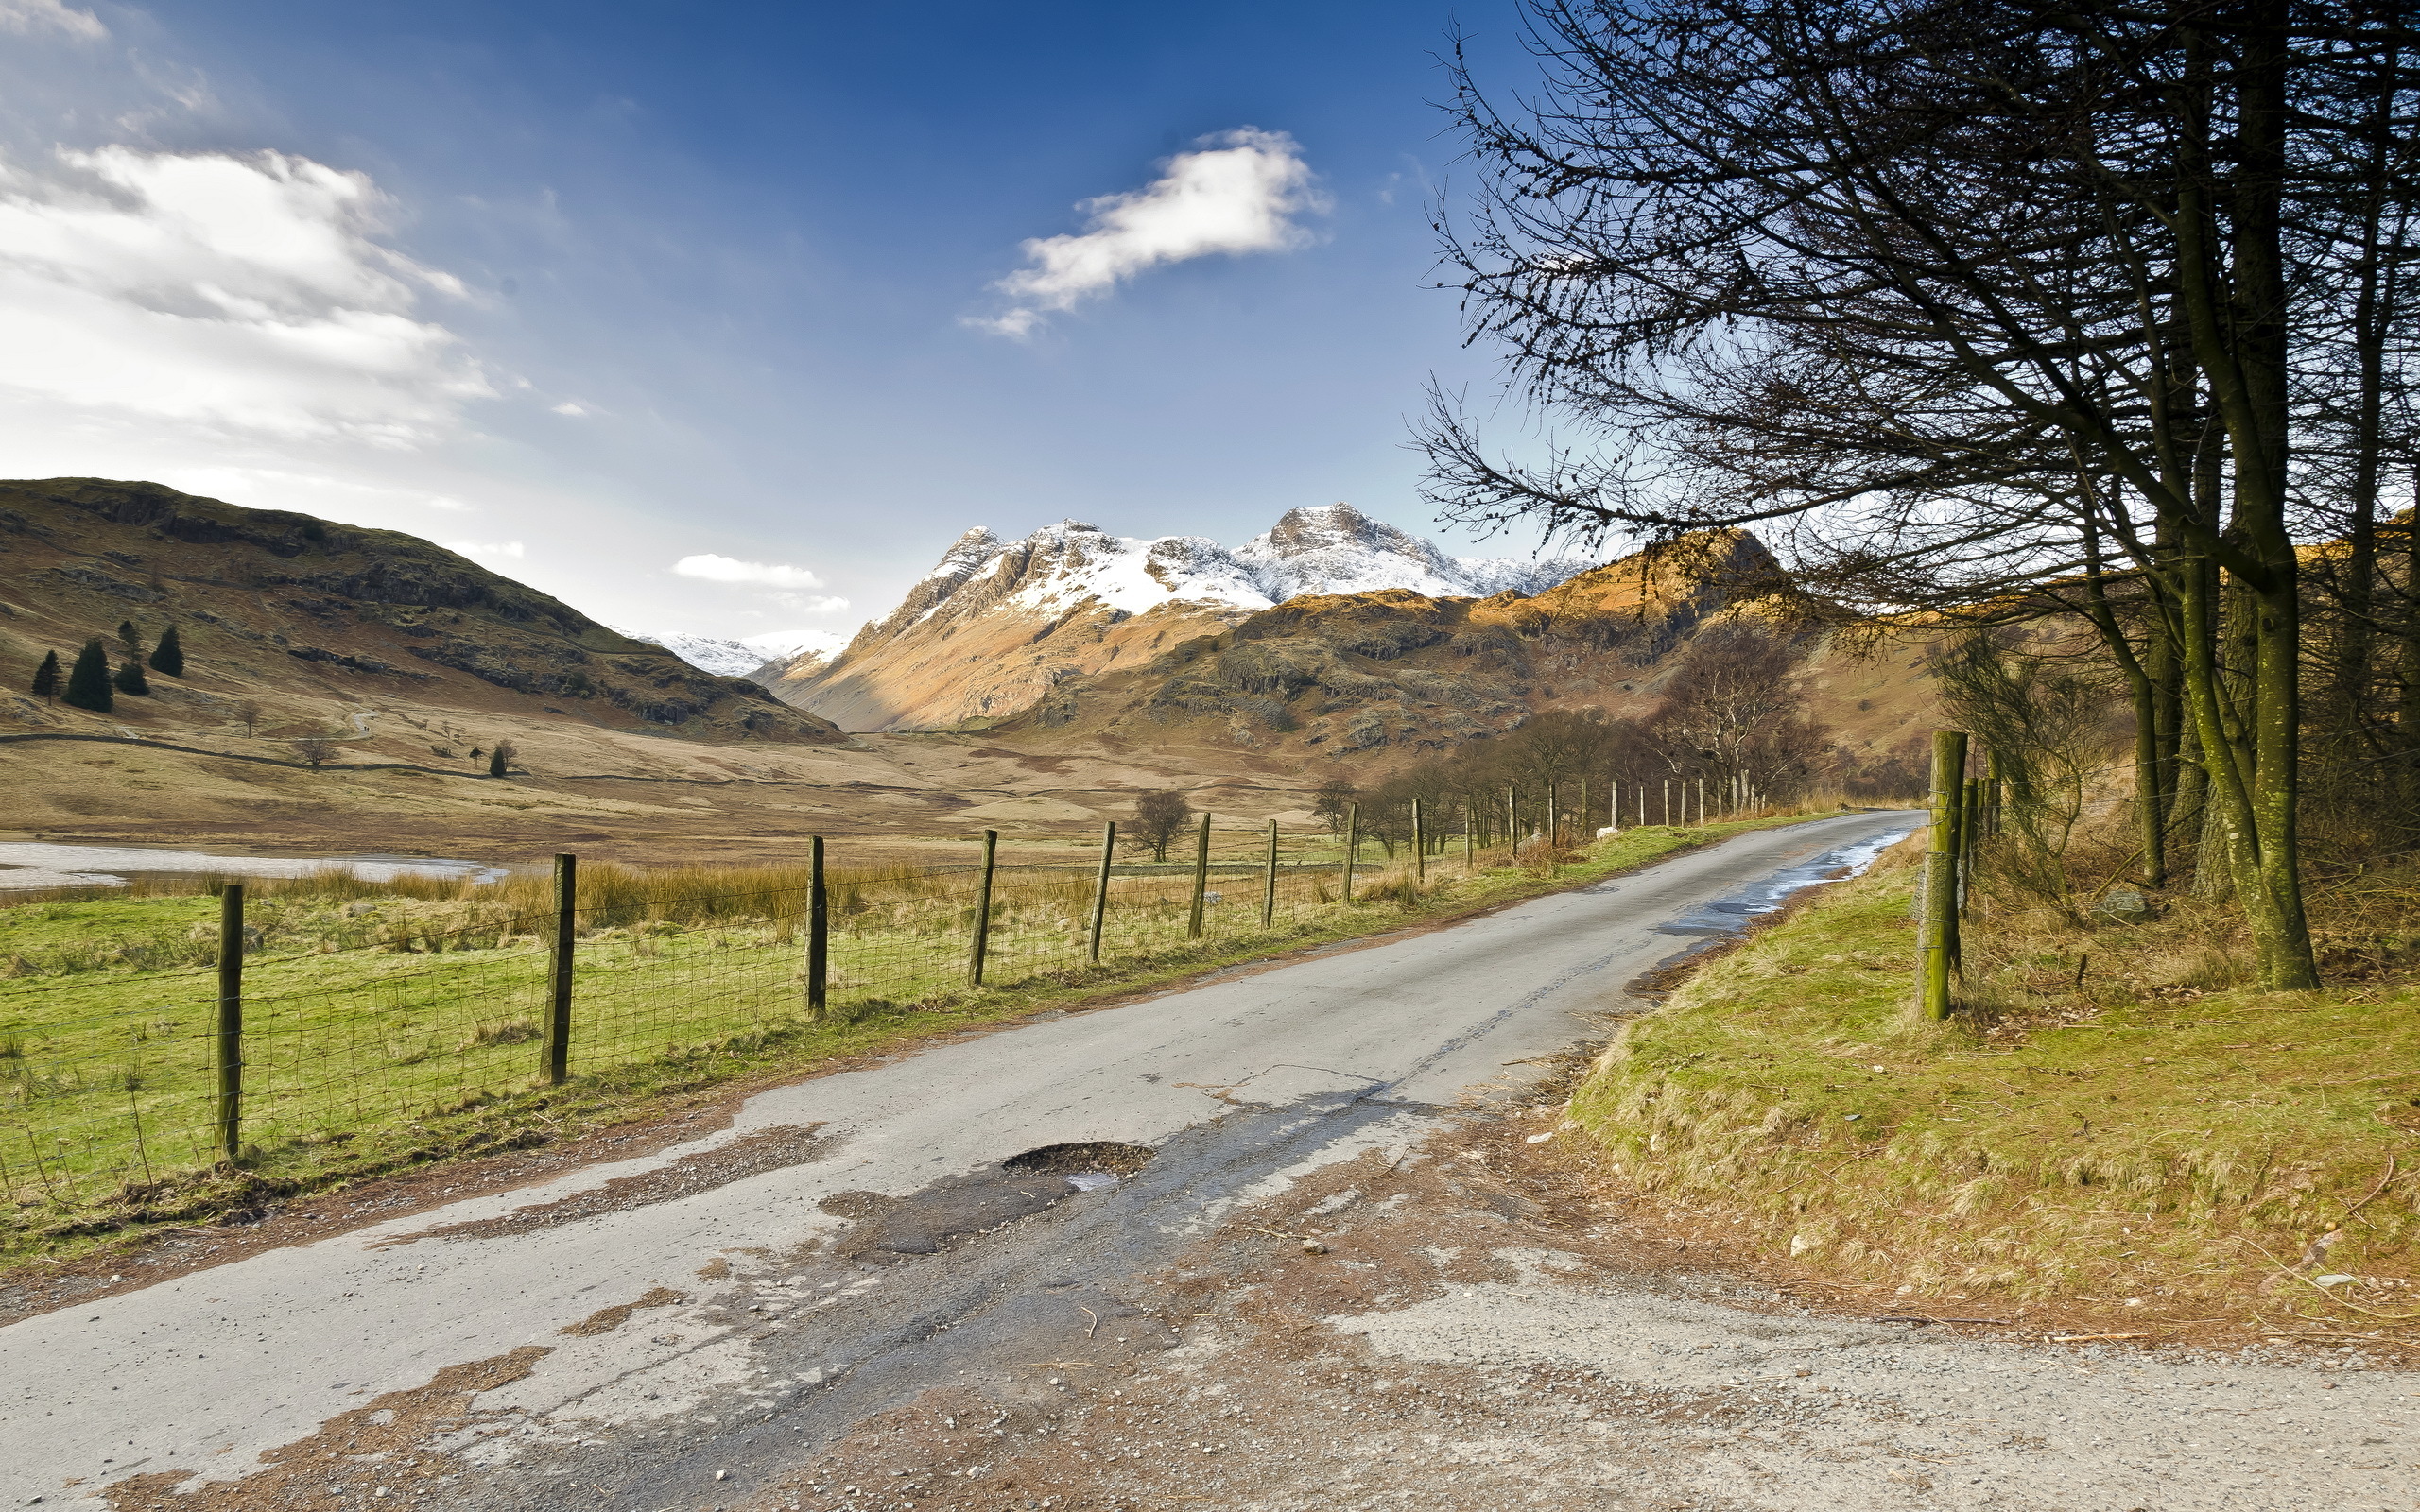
<point x="997" y="622"/>
<point x="1327" y="549"/>
<point x="737" y="659"/>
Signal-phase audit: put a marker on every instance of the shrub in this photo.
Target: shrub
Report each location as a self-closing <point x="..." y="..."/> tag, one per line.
<point x="129" y="679"/>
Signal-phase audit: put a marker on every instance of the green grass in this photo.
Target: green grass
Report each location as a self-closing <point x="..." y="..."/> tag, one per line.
<point x="2158" y="1135"/>
<point x="387" y="1029"/>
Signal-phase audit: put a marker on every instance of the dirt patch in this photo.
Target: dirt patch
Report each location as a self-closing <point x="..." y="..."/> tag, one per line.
<point x="606" y="1320"/>
<point x="380" y="1449"/>
<point x="767" y="1149"/>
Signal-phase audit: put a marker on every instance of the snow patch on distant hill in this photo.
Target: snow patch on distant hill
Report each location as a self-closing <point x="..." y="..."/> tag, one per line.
<point x="737" y="659"/>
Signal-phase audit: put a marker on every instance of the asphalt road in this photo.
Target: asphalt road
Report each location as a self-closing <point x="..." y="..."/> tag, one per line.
<point x="788" y="1298"/>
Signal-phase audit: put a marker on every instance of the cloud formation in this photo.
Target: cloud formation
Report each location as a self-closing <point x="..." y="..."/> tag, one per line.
<point x="237" y="294"/>
<point x="781" y="578"/>
<point x="1237" y="193"/>
<point x="30" y="17"/>
<point x="716" y="569"/>
<point x="509" y="549"/>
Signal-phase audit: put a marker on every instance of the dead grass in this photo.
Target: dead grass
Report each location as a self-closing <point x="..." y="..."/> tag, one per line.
<point x="2115" y="1118"/>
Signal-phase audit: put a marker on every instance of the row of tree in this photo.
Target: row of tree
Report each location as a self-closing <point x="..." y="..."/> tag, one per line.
<point x="1730" y="732"/>
<point x="1992" y="309"/>
<point x="92" y="684"/>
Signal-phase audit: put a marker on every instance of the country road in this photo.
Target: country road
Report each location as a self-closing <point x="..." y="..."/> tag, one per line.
<point x="846" y="1298"/>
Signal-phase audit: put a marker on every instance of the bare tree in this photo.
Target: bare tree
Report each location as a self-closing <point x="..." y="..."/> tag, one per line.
<point x="249" y="712"/>
<point x="1159" y="818"/>
<point x="316" y="750"/>
<point x="1957" y="299"/>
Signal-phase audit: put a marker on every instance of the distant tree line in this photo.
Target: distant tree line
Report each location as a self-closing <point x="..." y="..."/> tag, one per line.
<point x="1731" y="718"/>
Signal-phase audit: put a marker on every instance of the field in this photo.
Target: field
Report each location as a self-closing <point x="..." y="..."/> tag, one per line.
<point x="385" y="1024"/>
<point x="2139" y="1130"/>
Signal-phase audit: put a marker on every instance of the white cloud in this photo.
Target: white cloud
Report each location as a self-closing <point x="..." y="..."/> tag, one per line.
<point x="29" y="16"/>
<point x="716" y="569"/>
<point x="511" y="549"/>
<point x="1237" y="192"/>
<point x="245" y="295"/>
<point x="568" y="408"/>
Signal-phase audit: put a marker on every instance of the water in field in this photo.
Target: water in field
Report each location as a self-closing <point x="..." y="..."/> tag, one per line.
<point x="27" y="864"/>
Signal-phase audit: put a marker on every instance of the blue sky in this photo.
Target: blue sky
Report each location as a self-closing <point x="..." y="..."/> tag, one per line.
<point x="599" y="288"/>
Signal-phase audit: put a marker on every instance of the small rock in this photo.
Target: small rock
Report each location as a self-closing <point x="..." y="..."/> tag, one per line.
<point x="722" y="1475"/>
<point x="1539" y="1139"/>
<point x="2330" y="1281"/>
<point x="1312" y="1247"/>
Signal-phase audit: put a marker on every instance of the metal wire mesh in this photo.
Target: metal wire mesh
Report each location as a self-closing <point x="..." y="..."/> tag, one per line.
<point x="362" y="1014"/>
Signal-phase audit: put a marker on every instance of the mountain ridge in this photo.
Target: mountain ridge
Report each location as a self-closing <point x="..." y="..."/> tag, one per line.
<point x="997" y="622"/>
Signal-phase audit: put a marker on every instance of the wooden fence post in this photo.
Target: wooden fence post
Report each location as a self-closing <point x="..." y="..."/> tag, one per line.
<point x="229" y="1111"/>
<point x="556" y="1042"/>
<point x="1200" y="877"/>
<point x="819" y="931"/>
<point x="1352" y="845"/>
<point x="983" y="910"/>
<point x="1937" y="937"/>
<point x="1269" y="883"/>
<point x="1100" y="888"/>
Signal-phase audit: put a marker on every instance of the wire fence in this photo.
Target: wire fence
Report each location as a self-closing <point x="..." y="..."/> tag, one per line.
<point x="136" y="1056"/>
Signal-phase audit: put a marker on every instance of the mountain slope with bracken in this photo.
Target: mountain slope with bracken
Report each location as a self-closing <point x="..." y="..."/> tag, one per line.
<point x="993" y="629"/>
<point x="1387" y="676"/>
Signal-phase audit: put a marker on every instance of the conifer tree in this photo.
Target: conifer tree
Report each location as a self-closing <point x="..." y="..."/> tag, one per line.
<point x="129" y="679"/>
<point x="132" y="637"/>
<point x="46" y="677"/>
<point x="88" y="681"/>
<point x="170" y="655"/>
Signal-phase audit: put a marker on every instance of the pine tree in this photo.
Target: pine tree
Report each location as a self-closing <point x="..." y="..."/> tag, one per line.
<point x="168" y="657"/>
<point x="129" y="679"/>
<point x="46" y="677"/>
<point x="88" y="681"/>
<point x="132" y="637"/>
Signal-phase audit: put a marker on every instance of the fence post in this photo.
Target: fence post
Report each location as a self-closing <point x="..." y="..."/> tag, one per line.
<point x="1970" y="835"/>
<point x="1100" y="888"/>
<point x="1269" y="884"/>
<point x="1200" y="877"/>
<point x="228" y="1112"/>
<point x="1937" y="938"/>
<point x="818" y="931"/>
<point x="1352" y="845"/>
<point x="1419" y="845"/>
<point x="983" y="910"/>
<point x="557" y="1037"/>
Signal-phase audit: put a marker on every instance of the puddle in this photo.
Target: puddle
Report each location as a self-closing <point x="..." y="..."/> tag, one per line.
<point x="1730" y="914"/>
<point x="28" y="864"/>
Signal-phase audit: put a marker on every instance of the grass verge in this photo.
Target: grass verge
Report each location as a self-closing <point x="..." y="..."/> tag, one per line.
<point x="53" y="1225"/>
<point x="2155" y="1138"/>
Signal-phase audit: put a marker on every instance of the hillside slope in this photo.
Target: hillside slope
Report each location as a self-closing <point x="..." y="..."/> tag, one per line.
<point x="1388" y="676"/>
<point x="286" y="611"/>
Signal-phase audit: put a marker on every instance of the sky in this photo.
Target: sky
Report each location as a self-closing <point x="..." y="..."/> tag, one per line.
<point x="726" y="319"/>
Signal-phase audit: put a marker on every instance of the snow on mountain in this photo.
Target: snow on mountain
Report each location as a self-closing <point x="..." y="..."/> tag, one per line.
<point x="737" y="659"/>
<point x="1329" y="549"/>
<point x="997" y="623"/>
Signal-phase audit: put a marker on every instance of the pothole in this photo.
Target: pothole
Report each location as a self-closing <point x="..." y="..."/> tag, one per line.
<point x="1087" y="1158"/>
<point x="889" y="1229"/>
